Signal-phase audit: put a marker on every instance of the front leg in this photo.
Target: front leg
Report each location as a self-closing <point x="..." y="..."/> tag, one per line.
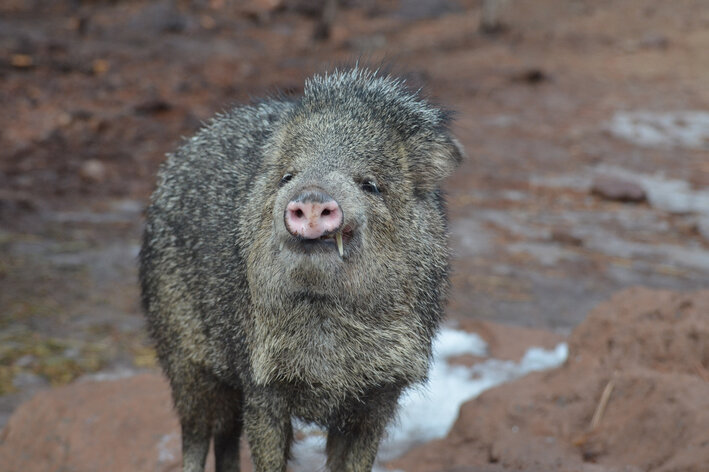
<point x="195" y="445"/>
<point x="268" y="427"/>
<point x="352" y="446"/>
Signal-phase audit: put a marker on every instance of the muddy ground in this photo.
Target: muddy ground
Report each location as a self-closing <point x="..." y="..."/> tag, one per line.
<point x="584" y="122"/>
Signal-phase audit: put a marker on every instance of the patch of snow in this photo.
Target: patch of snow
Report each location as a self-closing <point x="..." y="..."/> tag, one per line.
<point x="168" y="448"/>
<point x="675" y="196"/>
<point x="470" y="237"/>
<point x="537" y="359"/>
<point x="515" y="222"/>
<point x="514" y="196"/>
<point x="503" y="121"/>
<point x="428" y="412"/>
<point x="686" y="128"/>
<point x="309" y="452"/>
<point x="671" y="195"/>
<point x="452" y="342"/>
<point x="109" y="375"/>
<point x="573" y="181"/>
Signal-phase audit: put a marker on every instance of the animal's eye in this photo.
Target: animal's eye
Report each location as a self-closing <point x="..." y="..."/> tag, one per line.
<point x="370" y="186"/>
<point x="285" y="179"/>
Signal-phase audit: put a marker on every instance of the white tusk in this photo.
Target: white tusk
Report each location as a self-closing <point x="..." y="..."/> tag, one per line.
<point x="340" y="248"/>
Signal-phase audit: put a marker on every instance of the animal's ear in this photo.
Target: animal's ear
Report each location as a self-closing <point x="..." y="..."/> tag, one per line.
<point x="440" y="157"/>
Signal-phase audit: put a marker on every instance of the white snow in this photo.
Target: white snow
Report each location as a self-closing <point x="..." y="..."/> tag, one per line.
<point x="452" y="342"/>
<point x="684" y="128"/>
<point x="666" y="194"/>
<point x="671" y="195"/>
<point x="428" y="412"/>
<point x="168" y="448"/>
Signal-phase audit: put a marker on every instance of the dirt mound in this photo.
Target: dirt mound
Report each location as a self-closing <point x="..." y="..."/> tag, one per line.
<point x="632" y="396"/>
<point x="95" y="426"/>
<point x="126" y="424"/>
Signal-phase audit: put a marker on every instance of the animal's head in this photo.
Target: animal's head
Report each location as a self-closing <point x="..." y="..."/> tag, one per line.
<point x="353" y="184"/>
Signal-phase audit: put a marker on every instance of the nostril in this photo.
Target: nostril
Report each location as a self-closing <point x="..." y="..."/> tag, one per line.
<point x="312" y="215"/>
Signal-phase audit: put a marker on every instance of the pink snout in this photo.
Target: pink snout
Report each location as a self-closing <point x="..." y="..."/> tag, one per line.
<point x="313" y="215"/>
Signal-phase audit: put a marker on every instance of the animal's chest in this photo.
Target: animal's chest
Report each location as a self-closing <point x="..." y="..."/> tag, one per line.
<point x="309" y="352"/>
<point x="334" y="361"/>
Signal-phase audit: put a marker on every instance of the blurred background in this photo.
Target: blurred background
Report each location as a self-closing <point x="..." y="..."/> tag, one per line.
<point x="586" y="124"/>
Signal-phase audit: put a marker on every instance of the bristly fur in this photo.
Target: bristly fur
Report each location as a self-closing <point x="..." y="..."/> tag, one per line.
<point x="252" y="332"/>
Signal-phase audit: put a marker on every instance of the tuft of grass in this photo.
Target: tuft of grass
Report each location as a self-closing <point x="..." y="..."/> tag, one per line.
<point x="58" y="360"/>
<point x="144" y="357"/>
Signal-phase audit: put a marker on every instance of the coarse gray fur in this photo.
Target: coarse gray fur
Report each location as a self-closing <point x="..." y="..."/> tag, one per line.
<point x="252" y="330"/>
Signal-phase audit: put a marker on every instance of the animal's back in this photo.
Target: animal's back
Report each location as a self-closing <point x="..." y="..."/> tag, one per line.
<point x="191" y="266"/>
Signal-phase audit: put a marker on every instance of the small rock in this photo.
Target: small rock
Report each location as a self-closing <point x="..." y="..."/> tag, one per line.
<point x="25" y="361"/>
<point x="93" y="170"/>
<point x="532" y="76"/>
<point x="158" y="17"/>
<point x="100" y="66"/>
<point x="259" y="8"/>
<point x="565" y="237"/>
<point x="491" y="14"/>
<point x="415" y="10"/>
<point x="617" y="189"/>
<point x="18" y="202"/>
<point x="654" y="41"/>
<point x="152" y="106"/>
<point x="22" y="61"/>
<point x="28" y="380"/>
<point x="311" y="8"/>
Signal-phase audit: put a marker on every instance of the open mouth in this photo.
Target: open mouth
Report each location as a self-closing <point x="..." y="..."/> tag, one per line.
<point x="334" y="241"/>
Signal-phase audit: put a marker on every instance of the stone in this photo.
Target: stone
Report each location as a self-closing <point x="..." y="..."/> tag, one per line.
<point x="617" y="189"/>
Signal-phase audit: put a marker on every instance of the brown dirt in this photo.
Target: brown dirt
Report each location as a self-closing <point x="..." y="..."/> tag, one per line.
<point x="95" y="92"/>
<point x="651" y="347"/>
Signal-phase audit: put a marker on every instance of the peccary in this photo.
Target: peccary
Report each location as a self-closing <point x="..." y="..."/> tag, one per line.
<point x="295" y="265"/>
